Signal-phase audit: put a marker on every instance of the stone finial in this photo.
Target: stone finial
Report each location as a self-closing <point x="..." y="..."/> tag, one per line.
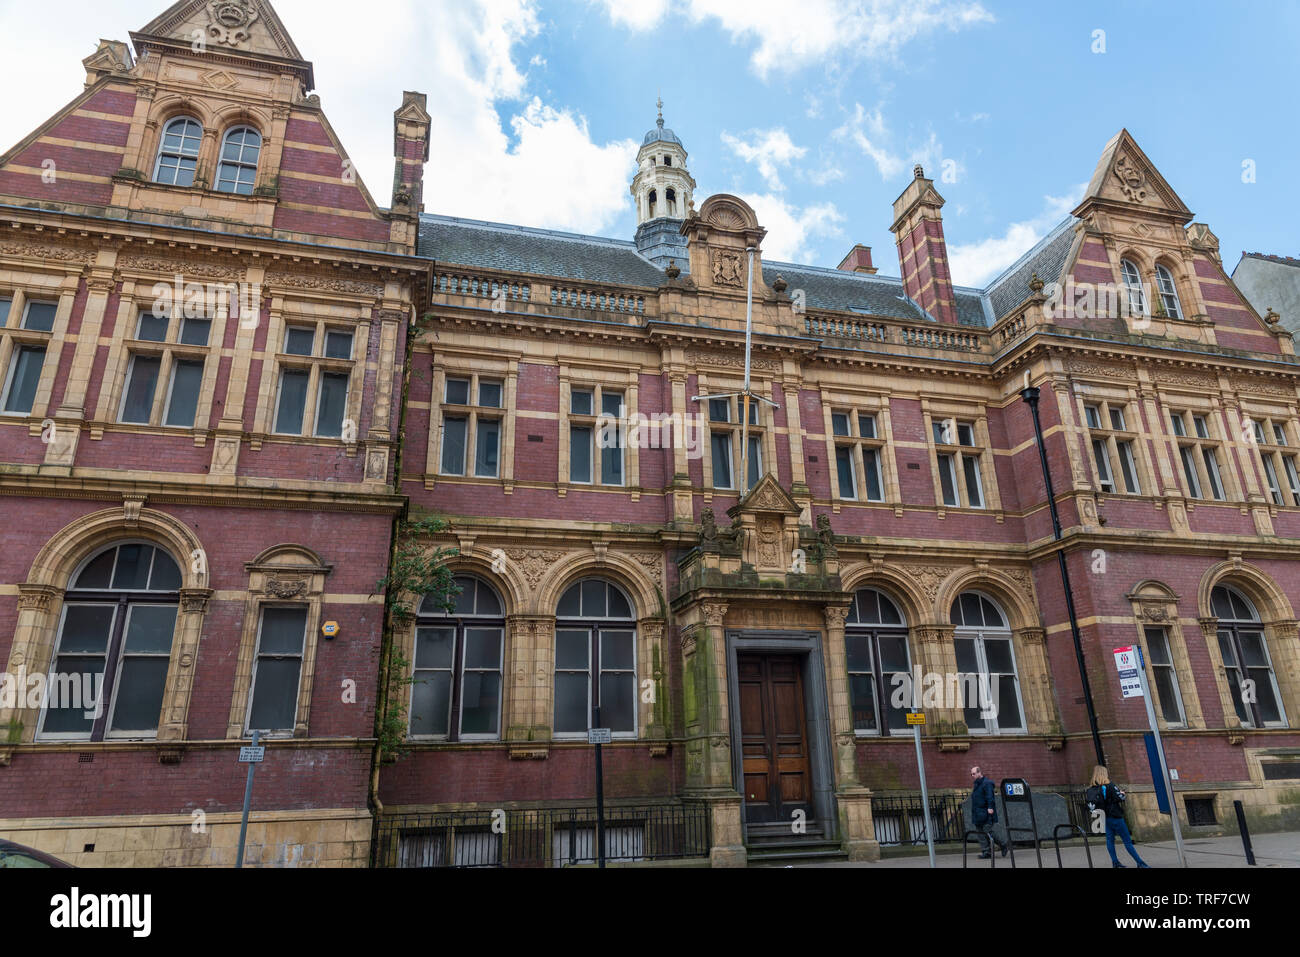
<point x="1035" y="283"/>
<point x="672" y="272"/>
<point x="779" y="284"/>
<point x="1271" y="317"/>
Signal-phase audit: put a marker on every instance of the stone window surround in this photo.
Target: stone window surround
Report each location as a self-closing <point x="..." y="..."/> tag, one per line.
<point x="138" y="296"/>
<point x="626" y="381"/>
<point x="1105" y="396"/>
<point x="936" y="411"/>
<point x="717" y="383"/>
<point x="334" y="316"/>
<point x="1221" y="439"/>
<point x="281" y="575"/>
<point x="1146" y="260"/>
<point x="40" y="287"/>
<point x="473" y="367"/>
<point x="215" y="125"/>
<point x="855" y="404"/>
<point x="1156" y="606"/>
<point x="1269" y="415"/>
<point x="40" y="605"/>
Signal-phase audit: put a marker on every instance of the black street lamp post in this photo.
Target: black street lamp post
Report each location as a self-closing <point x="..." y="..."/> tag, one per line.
<point x="1030" y="395"/>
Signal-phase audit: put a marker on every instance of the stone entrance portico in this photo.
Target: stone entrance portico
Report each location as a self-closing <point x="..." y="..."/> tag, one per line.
<point x="767" y="584"/>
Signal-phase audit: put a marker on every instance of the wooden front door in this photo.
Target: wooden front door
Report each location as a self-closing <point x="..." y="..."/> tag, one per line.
<point x="774" y="739"/>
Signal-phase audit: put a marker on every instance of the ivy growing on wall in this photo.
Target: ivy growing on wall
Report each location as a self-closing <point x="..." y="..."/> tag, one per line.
<point x="417" y="570"/>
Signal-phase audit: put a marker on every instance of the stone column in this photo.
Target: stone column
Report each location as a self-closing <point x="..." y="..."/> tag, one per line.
<point x="31" y="652"/>
<point x="180" y="670"/>
<point x="1210" y="631"/>
<point x="938" y="656"/>
<point x="1036" y="681"/>
<point x="652" y="699"/>
<point x="837" y="693"/>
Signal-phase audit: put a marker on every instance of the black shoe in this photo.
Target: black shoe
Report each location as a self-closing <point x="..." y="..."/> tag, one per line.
<point x="985" y="856"/>
<point x="1004" y="850"/>
<point x="1118" y="864"/>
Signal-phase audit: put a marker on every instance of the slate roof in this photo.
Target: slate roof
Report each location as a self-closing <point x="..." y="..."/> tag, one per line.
<point x="1047" y="259"/>
<point x="598" y="259"/>
<point x="544" y="252"/>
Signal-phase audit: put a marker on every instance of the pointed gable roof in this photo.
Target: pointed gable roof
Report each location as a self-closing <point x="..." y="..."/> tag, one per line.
<point x="1125" y="176"/>
<point x="766" y="496"/>
<point x="227" y="27"/>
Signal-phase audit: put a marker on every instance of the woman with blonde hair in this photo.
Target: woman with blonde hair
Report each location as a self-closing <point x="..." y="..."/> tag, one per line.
<point x="1107" y="797"/>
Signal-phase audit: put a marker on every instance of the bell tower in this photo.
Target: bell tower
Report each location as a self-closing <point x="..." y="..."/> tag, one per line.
<point x="663" y="189"/>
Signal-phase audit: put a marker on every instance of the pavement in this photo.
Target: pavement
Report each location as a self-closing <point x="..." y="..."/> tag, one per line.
<point x="1281" y="849"/>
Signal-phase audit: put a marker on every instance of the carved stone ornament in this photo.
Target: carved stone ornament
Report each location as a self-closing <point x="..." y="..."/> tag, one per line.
<point x="286" y="587"/>
<point x="230" y="20"/>
<point x="533" y="563"/>
<point x="1132" y="179"/>
<point x="1155" y="612"/>
<point x="708" y="530"/>
<point x="728" y="269"/>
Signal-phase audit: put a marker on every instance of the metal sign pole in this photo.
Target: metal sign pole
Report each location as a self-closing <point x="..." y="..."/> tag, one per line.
<point x="248" y="800"/>
<point x="925" y="794"/>
<point x="1160" y="753"/>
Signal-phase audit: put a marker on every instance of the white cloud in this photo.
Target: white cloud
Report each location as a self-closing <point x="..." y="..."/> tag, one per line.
<point x="766" y="149"/>
<point x="974" y="264"/>
<point x="787" y="40"/>
<point x="462" y="54"/>
<point x="791" y="229"/>
<point x="868" y="131"/>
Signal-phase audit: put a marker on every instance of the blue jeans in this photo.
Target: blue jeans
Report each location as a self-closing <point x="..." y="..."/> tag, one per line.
<point x="1116" y="825"/>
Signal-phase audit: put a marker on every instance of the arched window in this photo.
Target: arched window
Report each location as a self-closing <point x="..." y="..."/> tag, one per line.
<point x="238" y="168"/>
<point x="653" y="199"/>
<point x="1246" y="663"/>
<point x="670" y="196"/>
<point x="595" y="660"/>
<point x="1168" y="293"/>
<point x="986" y="662"/>
<point x="114" y="646"/>
<point x="875" y="638"/>
<point x="178" y="153"/>
<point x="456" y="694"/>
<point x="1137" y="304"/>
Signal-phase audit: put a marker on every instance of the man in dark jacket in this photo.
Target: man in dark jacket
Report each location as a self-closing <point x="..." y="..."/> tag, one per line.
<point x="984" y="812"/>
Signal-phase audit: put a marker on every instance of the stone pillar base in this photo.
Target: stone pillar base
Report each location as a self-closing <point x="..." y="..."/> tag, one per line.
<point x="727" y="845"/>
<point x="857" y="829"/>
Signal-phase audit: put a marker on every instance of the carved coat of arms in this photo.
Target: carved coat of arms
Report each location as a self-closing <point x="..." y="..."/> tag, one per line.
<point x="1131" y="179"/>
<point x="727" y="268"/>
<point x="229" y="20"/>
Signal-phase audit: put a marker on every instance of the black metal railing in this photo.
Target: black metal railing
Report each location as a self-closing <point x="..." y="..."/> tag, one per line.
<point x="900" y="821"/>
<point x="540" y="837"/>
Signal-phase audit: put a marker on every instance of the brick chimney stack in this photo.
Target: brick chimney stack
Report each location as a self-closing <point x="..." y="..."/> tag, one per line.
<point x="411" y="126"/>
<point x="922" y="254"/>
<point x="858" y="260"/>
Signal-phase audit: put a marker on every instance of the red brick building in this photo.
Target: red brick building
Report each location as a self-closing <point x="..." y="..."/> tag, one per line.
<point x="203" y="314"/>
<point x="897" y="520"/>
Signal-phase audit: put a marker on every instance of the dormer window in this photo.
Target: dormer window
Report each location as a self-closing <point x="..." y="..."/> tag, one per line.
<point x="178" y="153"/>
<point x="238" y="168"/>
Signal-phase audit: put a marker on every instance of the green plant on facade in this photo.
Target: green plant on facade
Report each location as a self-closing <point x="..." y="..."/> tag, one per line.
<point x="417" y="570"/>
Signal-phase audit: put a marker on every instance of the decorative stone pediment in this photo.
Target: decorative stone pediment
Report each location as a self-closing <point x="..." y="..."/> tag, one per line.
<point x="769" y="521"/>
<point x="719" y="237"/>
<point x="249" y="26"/>
<point x="1125" y="176"/>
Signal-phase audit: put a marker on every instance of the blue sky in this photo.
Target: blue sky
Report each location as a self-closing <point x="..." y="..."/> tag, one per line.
<point x="815" y="112"/>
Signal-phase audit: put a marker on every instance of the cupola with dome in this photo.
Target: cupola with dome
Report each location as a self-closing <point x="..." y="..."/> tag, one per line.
<point x="663" y="189"/>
